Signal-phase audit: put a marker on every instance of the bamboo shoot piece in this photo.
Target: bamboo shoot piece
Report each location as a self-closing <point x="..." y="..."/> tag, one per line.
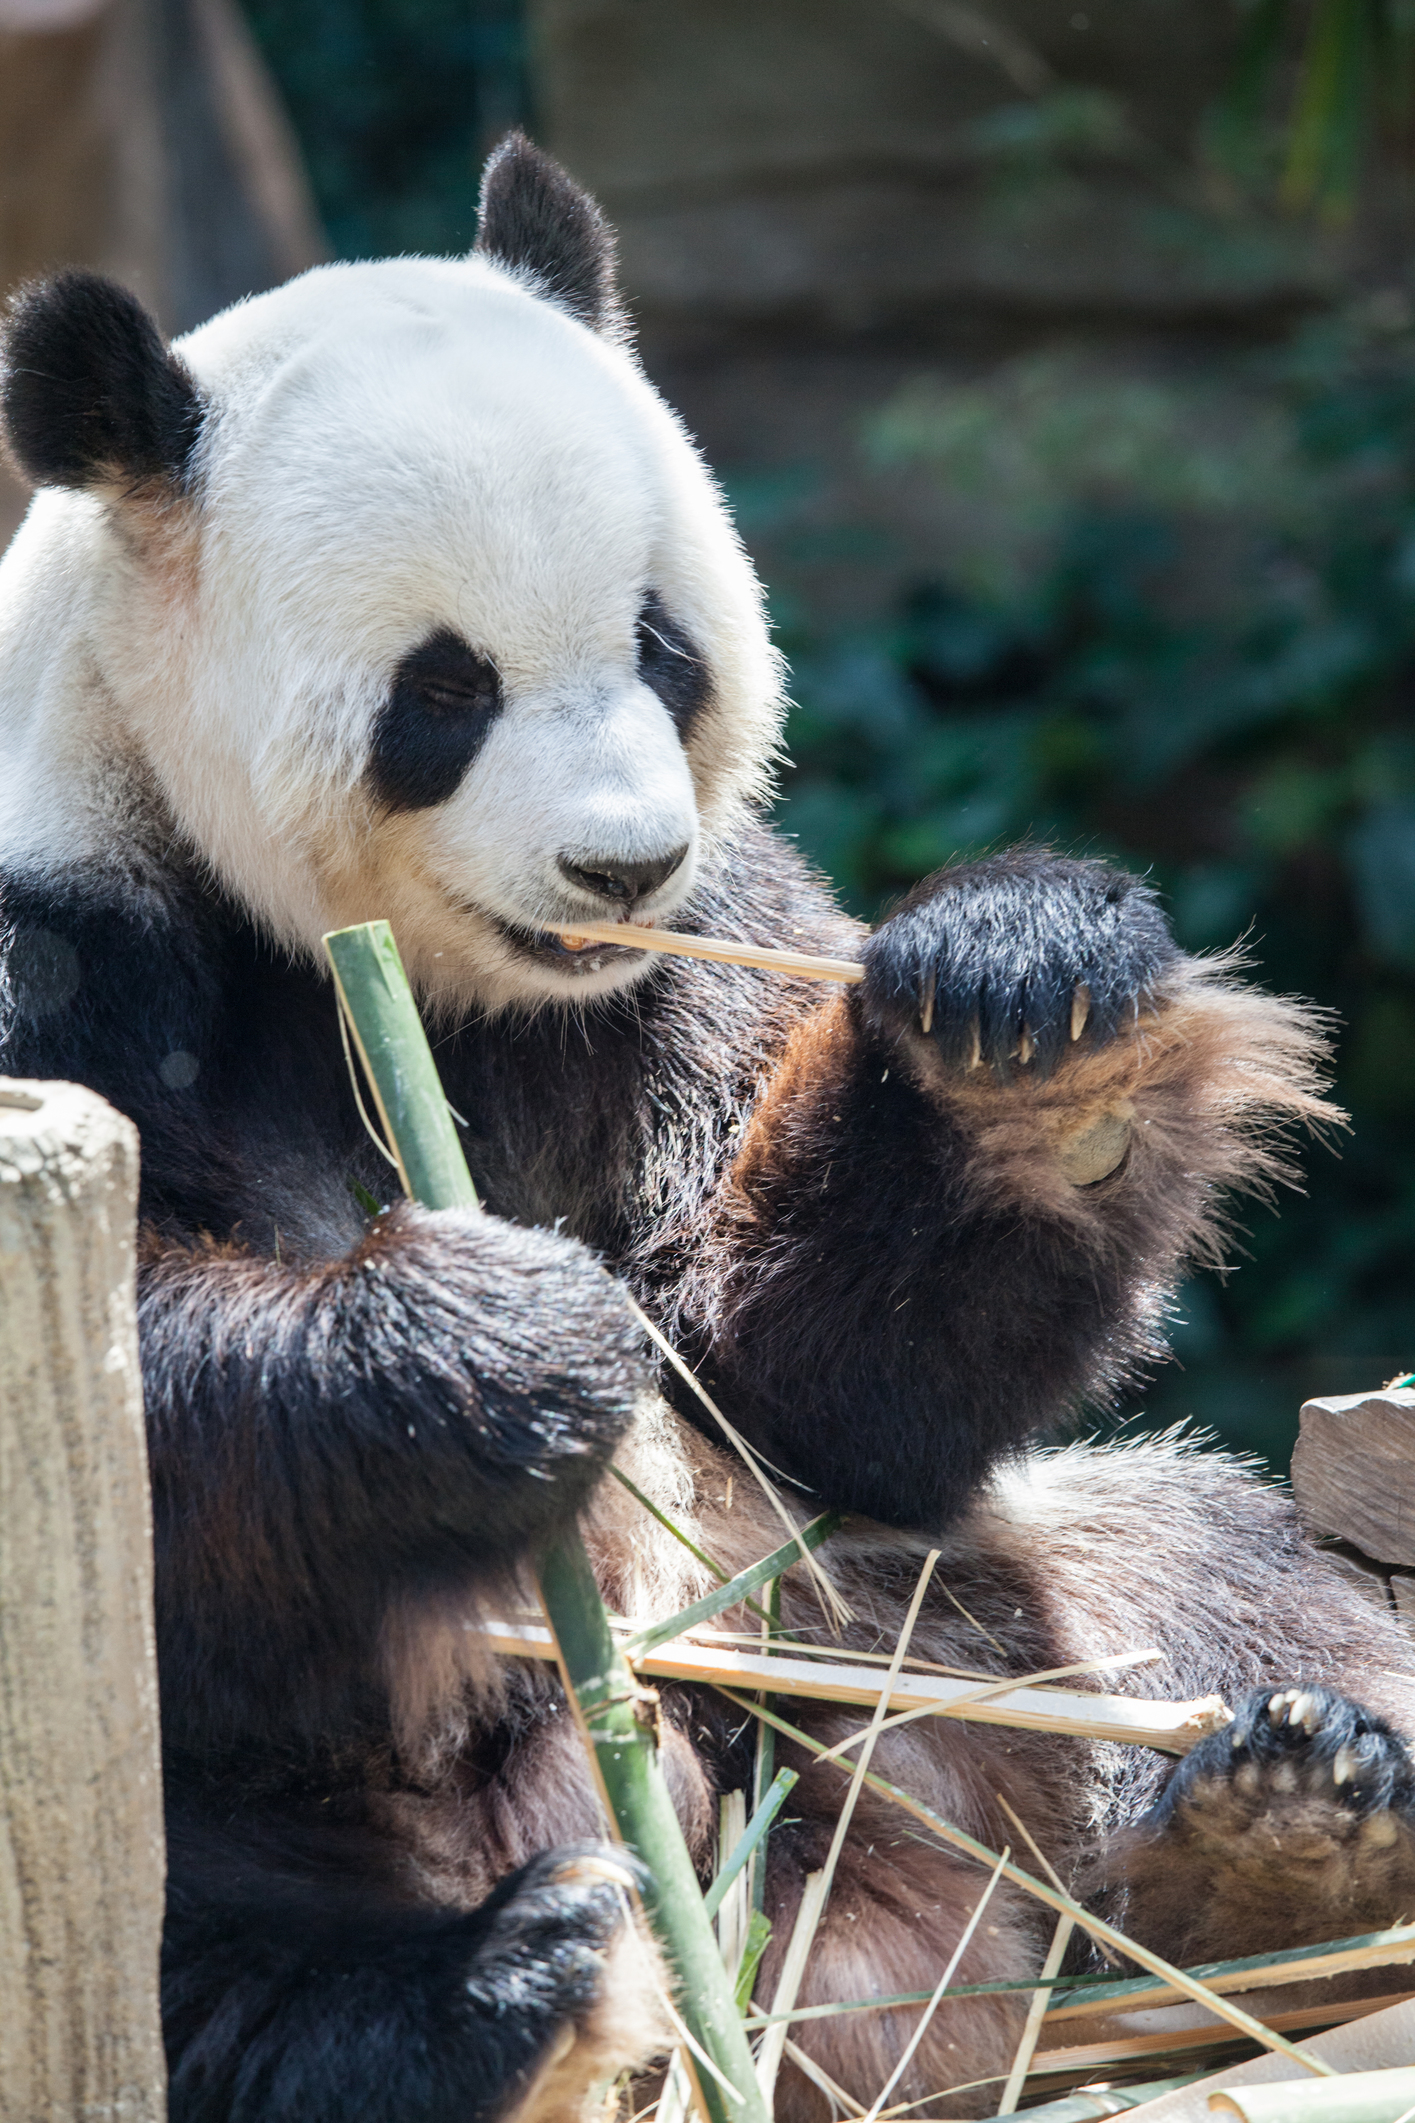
<point x="615" y="1714"/>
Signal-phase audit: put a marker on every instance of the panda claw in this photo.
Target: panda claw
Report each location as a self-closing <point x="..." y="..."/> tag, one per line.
<point x="1080" y="1010"/>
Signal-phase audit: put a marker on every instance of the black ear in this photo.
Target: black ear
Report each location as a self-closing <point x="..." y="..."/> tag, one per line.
<point x="537" y="220"/>
<point x="89" y="394"/>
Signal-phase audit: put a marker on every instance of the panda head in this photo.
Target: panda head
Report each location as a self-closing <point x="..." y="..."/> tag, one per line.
<point x="395" y="592"/>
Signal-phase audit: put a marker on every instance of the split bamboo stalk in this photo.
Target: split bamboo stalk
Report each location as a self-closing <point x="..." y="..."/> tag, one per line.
<point x="806" y="965"/>
<point x="1153" y="2042"/>
<point x="1133" y="1721"/>
<point x="615" y="1715"/>
<point x="1267" y="1971"/>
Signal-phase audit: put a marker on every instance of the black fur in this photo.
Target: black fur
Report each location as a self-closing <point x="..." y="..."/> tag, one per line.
<point x="300" y="1986"/>
<point x="418" y="1415"/>
<point x="90" y="395"/>
<point x="671" y="666"/>
<point x="536" y="220"/>
<point x="1003" y="950"/>
<point x="438" y="714"/>
<point x="822" y="1251"/>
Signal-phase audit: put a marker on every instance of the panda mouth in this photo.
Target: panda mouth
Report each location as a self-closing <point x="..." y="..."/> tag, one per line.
<point x="545" y="947"/>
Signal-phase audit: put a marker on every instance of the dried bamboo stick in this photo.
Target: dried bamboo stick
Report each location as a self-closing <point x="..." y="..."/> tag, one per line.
<point x="1158" y="2042"/>
<point x="1135" y="1721"/>
<point x="806" y="965"/>
<point x="773" y="2042"/>
<point x="1036" y="2013"/>
<point x="1307" y="1964"/>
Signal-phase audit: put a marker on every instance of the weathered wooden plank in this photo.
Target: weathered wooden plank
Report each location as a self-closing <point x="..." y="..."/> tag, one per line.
<point x="1353" y="1472"/>
<point x="81" y="1847"/>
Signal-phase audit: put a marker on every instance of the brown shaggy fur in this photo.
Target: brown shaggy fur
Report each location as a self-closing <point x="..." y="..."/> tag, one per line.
<point x="1046" y="1566"/>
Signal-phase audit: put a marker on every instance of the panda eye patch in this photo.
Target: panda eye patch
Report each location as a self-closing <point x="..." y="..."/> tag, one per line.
<point x="441" y="705"/>
<point x="671" y="666"/>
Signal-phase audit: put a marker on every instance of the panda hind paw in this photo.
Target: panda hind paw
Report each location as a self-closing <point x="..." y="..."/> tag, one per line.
<point x="1302" y="1769"/>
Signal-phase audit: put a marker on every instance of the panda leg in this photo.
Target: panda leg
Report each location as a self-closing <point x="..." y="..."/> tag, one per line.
<point x="1293" y="1825"/>
<point x="276" y="2012"/>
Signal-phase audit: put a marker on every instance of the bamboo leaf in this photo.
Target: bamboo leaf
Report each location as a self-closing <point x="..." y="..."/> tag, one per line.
<point x="755" y="1829"/>
<point x="736" y="1589"/>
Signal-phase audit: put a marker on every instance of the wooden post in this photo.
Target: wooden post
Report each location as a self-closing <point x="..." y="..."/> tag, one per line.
<point x="1353" y="1472"/>
<point x="81" y="1848"/>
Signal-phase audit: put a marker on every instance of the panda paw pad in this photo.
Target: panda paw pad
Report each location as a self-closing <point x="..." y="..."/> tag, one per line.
<point x="1301" y="1764"/>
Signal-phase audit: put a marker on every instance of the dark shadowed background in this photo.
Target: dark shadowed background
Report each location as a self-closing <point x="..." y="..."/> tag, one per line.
<point x="1060" y="364"/>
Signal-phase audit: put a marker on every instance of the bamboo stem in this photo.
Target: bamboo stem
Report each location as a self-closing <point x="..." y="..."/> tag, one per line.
<point x="384" y="1024"/>
<point x="616" y="1716"/>
<point x="806" y="965"/>
<point x="1356" y="2097"/>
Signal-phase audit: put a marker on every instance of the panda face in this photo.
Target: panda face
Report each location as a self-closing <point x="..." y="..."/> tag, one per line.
<point x="450" y="628"/>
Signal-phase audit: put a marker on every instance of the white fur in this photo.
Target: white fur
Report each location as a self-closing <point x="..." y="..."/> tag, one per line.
<point x="391" y="448"/>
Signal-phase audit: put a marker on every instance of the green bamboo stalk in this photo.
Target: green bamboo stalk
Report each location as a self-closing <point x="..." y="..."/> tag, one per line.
<point x="619" y="1720"/>
<point x="383" y="1021"/>
<point x="616" y="1715"/>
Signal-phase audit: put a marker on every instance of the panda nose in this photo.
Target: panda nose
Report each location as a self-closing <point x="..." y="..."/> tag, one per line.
<point x="608" y="877"/>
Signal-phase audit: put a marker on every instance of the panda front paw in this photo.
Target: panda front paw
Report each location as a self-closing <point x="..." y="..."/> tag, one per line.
<point x="1014" y="962"/>
<point x="563" y="1962"/>
<point x="1303" y="1772"/>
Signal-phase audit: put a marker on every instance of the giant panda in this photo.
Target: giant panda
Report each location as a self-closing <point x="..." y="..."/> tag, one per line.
<point x="399" y="592"/>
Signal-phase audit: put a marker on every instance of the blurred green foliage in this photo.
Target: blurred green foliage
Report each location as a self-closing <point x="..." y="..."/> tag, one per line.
<point x="395" y="103"/>
<point x="1179" y="632"/>
<point x="1314" y="83"/>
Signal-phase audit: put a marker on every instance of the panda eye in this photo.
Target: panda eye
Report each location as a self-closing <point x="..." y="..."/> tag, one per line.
<point x="670" y="665"/>
<point x="477" y="694"/>
<point x="449" y="677"/>
<point x="440" y="708"/>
